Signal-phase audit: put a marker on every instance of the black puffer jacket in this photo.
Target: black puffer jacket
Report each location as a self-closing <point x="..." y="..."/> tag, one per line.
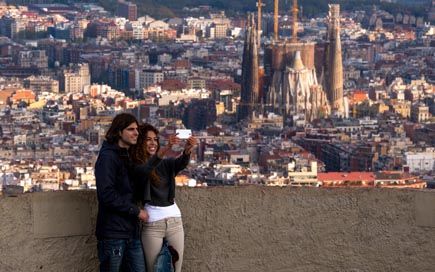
<point x="117" y="211"/>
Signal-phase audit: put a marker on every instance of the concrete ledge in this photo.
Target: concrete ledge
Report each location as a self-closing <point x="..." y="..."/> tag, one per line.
<point x="239" y="229"/>
<point x="61" y="215"/>
<point x="425" y="210"/>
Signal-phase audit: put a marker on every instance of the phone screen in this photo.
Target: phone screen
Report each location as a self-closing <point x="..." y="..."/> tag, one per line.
<point x="183" y="133"/>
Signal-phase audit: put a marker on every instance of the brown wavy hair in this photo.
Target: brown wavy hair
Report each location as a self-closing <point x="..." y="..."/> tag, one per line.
<point x="119" y="123"/>
<point x="138" y="152"/>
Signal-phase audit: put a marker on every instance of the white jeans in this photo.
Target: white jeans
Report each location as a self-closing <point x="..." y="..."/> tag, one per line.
<point x="152" y="239"/>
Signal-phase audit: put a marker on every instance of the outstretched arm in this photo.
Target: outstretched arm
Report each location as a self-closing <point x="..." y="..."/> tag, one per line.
<point x="182" y="161"/>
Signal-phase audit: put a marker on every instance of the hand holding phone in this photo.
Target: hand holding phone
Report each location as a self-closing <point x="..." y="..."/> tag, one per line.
<point x="190" y="145"/>
<point x="171" y="141"/>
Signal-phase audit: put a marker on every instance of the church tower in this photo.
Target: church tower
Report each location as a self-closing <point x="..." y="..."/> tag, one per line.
<point x="250" y="96"/>
<point x="334" y="65"/>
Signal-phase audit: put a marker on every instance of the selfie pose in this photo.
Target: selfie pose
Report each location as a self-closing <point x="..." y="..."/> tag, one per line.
<point x="158" y="193"/>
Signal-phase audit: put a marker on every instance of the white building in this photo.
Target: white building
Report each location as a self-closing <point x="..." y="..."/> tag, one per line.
<point x="421" y="161"/>
<point x="149" y="77"/>
<point x="74" y="79"/>
<point x="20" y="139"/>
<point x="157" y="24"/>
<point x="137" y="28"/>
<point x="187" y="38"/>
<point x="166" y="97"/>
<point x="164" y="59"/>
<point x="305" y="176"/>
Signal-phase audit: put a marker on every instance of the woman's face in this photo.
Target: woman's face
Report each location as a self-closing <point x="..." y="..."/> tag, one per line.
<point x="151" y="143"/>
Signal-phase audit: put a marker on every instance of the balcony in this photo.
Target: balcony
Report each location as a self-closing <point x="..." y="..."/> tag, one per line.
<point x="249" y="228"/>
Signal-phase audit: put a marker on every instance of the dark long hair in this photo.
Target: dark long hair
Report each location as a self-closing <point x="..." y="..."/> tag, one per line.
<point x="138" y="152"/>
<point x="119" y="123"/>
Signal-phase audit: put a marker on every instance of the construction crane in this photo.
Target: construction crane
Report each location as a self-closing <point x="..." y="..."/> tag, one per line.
<point x="295" y="11"/>
<point x="275" y="19"/>
<point x="260" y="6"/>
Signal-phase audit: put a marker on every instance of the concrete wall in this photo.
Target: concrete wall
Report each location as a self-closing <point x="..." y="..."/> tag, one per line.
<point x="239" y="229"/>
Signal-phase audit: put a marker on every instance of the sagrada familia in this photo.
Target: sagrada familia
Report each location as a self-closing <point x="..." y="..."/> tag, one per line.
<point x="292" y="86"/>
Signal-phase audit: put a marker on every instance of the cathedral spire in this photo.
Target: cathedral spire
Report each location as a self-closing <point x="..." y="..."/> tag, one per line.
<point x="334" y="63"/>
<point x="297" y="62"/>
<point x="250" y="81"/>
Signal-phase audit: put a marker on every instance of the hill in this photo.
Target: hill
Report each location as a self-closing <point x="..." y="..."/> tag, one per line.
<point x="171" y="8"/>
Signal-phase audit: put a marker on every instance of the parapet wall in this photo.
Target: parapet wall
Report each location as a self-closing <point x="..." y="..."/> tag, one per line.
<point x="239" y="229"/>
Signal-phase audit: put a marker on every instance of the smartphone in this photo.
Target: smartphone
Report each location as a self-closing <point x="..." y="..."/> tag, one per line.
<point x="183" y="133"/>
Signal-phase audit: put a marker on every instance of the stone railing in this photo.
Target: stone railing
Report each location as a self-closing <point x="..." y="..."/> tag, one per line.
<point x="239" y="229"/>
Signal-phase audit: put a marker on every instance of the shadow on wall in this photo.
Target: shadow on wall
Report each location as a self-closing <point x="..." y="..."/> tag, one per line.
<point x="249" y="228"/>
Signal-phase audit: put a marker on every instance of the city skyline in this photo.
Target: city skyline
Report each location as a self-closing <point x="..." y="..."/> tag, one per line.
<point x="287" y="100"/>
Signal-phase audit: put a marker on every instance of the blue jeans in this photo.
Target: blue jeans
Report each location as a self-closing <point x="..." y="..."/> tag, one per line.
<point x="112" y="253"/>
